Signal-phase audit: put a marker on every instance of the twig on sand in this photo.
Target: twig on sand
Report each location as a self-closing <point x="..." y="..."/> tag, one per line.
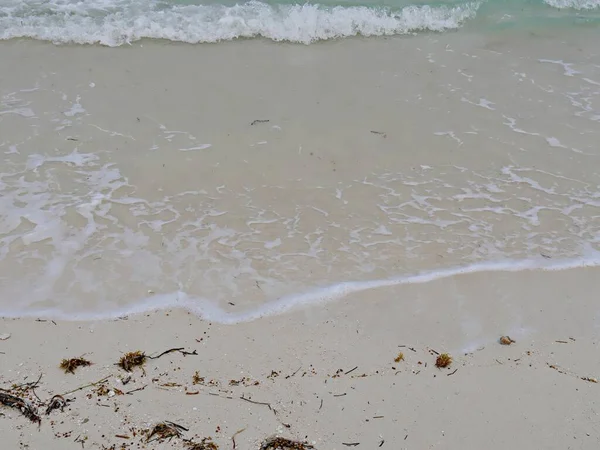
<point x="103" y="380"/>
<point x="351" y="370"/>
<point x="27" y="386"/>
<point x="258" y="403"/>
<point x="135" y="390"/>
<point x="171" y="350"/>
<point x="297" y="370"/>
<point x="235" y="434"/>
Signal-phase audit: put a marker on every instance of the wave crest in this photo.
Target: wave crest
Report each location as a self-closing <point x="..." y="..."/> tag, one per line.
<point x="573" y="4"/>
<point x="114" y="22"/>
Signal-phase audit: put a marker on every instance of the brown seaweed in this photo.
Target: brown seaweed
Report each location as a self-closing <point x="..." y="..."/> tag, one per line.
<point x="443" y="360"/>
<point x="279" y="443"/>
<point x="165" y="430"/>
<point x="69" y="365"/>
<point x="131" y="360"/>
<point x="205" y="444"/>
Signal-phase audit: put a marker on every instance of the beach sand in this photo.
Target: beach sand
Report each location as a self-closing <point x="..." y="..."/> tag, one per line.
<point x="328" y="373"/>
<point x="148" y="177"/>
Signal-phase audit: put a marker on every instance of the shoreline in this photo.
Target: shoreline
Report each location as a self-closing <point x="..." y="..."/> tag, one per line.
<point x="332" y="377"/>
<point x="210" y="311"/>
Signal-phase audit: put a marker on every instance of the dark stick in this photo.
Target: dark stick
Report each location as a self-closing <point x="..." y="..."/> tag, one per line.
<point x="452" y="373"/>
<point x="290" y="376"/>
<point x="135" y="390"/>
<point x="256" y="403"/>
<point x="234" y="435"/>
<point x="171" y="350"/>
<point x="351" y="370"/>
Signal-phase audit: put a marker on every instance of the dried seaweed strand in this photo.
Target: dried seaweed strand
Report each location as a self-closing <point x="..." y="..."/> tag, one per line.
<point x="24" y="406"/>
<point x="171" y="350"/>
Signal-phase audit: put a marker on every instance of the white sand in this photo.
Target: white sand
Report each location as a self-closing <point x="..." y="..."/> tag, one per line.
<point x="498" y="397"/>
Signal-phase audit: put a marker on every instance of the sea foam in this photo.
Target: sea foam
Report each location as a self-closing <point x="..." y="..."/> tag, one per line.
<point x="117" y="22"/>
<point x="209" y="310"/>
<point x="574" y="4"/>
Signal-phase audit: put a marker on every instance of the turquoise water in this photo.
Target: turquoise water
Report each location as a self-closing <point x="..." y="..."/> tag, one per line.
<point x="117" y="22"/>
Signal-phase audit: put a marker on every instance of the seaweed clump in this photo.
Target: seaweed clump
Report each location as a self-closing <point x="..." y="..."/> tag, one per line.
<point x="131" y="360"/>
<point x="205" y="444"/>
<point x="165" y="430"/>
<point x="69" y="365"/>
<point x="279" y="443"/>
<point x="443" y="360"/>
<point x="399" y="358"/>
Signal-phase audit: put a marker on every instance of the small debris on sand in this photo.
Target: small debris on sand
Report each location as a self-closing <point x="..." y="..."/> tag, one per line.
<point x="279" y="443"/>
<point x="204" y="444"/>
<point x="506" y="340"/>
<point x="57" y="402"/>
<point x="399" y="358"/>
<point x="444" y="360"/>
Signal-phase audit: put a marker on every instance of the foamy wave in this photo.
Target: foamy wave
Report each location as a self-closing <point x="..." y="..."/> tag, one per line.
<point x="212" y="312"/>
<point x="574" y="4"/>
<point x="116" y="22"/>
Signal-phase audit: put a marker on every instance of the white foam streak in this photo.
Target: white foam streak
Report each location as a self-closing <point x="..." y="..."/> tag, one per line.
<point x="574" y="4"/>
<point x="210" y="311"/>
<point x="114" y="22"/>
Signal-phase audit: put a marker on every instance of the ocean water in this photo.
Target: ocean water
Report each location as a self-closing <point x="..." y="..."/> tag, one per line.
<point x="118" y="22"/>
<point x="244" y="179"/>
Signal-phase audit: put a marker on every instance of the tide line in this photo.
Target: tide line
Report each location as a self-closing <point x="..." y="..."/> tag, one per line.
<point x="209" y="310"/>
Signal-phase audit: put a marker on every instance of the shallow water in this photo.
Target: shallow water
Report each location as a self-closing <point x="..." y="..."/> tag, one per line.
<point x="242" y="179"/>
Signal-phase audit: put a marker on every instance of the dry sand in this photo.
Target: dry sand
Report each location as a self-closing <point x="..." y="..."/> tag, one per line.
<point x="328" y="373"/>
